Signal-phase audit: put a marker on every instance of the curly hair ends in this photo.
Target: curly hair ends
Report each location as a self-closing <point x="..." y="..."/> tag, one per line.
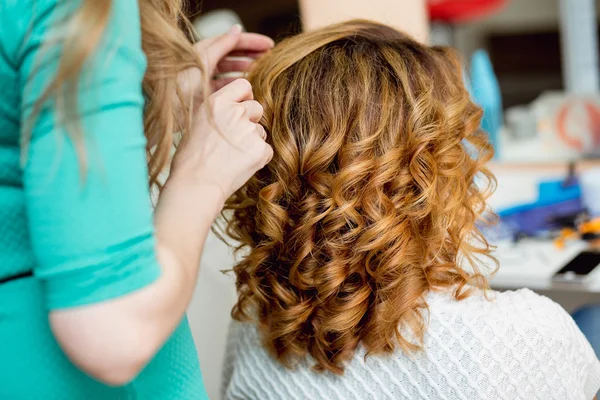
<point x="371" y="198"/>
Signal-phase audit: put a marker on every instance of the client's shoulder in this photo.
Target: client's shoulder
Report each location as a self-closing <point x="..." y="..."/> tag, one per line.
<point x="521" y="310"/>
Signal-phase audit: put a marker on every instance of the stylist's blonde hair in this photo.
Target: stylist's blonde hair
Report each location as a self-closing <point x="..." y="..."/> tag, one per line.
<point x="370" y="200"/>
<point x="169" y="51"/>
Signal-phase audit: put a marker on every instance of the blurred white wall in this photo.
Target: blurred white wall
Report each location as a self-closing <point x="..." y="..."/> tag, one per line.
<point x="516" y="16"/>
<point x="409" y="16"/>
<point x="209" y="311"/>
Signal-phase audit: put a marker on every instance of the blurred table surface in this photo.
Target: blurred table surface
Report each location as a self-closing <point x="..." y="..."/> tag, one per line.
<point x="533" y="263"/>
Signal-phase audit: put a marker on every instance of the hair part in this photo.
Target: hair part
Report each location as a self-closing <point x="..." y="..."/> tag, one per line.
<point x="370" y="200"/>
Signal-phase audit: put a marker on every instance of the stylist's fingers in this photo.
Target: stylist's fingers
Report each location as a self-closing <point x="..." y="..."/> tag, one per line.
<point x="220" y="83"/>
<point x="253" y="109"/>
<point x="234" y="64"/>
<point x="261" y="132"/>
<point x="253" y="43"/>
<point x="216" y="48"/>
<point x="263" y="149"/>
<point x="238" y="91"/>
<point x="233" y="42"/>
<point x="226" y="145"/>
<point x="268" y="154"/>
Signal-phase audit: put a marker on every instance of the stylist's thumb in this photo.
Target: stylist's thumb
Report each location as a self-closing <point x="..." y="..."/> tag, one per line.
<point x="215" y="49"/>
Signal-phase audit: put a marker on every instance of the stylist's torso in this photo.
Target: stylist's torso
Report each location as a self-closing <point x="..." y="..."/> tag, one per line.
<point x="86" y="241"/>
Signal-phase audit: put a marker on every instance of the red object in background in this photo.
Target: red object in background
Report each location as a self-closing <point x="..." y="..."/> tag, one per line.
<point x="592" y="127"/>
<point x="462" y="10"/>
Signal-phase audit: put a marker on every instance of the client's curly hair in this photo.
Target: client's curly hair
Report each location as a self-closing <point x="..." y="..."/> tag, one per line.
<point x="371" y="198"/>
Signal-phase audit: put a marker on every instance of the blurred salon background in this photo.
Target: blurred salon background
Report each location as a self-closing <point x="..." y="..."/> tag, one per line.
<point x="532" y="65"/>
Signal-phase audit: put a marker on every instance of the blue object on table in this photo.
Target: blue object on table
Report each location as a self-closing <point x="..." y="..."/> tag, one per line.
<point x="485" y="91"/>
<point x="549" y="193"/>
<point x="555" y="199"/>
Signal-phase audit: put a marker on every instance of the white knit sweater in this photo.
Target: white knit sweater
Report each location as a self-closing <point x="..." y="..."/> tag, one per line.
<point x="518" y="346"/>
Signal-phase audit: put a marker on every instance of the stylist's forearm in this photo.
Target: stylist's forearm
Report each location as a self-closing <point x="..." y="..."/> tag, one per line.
<point x="121" y="335"/>
<point x="184" y="215"/>
<point x="183" y="218"/>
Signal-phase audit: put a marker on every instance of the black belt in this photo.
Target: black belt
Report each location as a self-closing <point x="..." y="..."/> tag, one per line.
<point x="22" y="275"/>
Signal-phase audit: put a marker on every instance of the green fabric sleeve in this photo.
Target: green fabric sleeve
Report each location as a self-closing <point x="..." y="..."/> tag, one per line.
<point x="92" y="233"/>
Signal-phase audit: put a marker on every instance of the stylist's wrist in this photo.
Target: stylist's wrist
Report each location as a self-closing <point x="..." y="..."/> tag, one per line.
<point x="185" y="212"/>
<point x="206" y="193"/>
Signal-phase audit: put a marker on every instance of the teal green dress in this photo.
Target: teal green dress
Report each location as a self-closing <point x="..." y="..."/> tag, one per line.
<point x="86" y="240"/>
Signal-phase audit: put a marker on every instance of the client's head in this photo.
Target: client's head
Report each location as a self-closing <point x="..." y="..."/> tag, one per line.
<point x="370" y="200"/>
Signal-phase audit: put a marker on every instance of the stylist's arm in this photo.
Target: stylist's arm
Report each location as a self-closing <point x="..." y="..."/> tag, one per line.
<point x="114" y="278"/>
<point x="113" y="340"/>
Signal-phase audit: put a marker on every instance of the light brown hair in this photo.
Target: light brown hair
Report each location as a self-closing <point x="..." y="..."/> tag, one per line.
<point x="370" y="200"/>
<point x="166" y="42"/>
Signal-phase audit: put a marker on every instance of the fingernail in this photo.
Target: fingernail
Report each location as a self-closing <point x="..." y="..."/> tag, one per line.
<point x="236" y="29"/>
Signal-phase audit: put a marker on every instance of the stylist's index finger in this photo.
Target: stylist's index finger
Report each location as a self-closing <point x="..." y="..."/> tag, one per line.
<point x="253" y="42"/>
<point x="238" y="91"/>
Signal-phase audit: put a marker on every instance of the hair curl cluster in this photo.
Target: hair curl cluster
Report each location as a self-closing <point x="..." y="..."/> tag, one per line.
<point x="371" y="198"/>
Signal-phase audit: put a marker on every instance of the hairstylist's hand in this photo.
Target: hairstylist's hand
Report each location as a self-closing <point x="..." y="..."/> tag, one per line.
<point x="233" y="52"/>
<point x="227" y="150"/>
<point x="225" y="58"/>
